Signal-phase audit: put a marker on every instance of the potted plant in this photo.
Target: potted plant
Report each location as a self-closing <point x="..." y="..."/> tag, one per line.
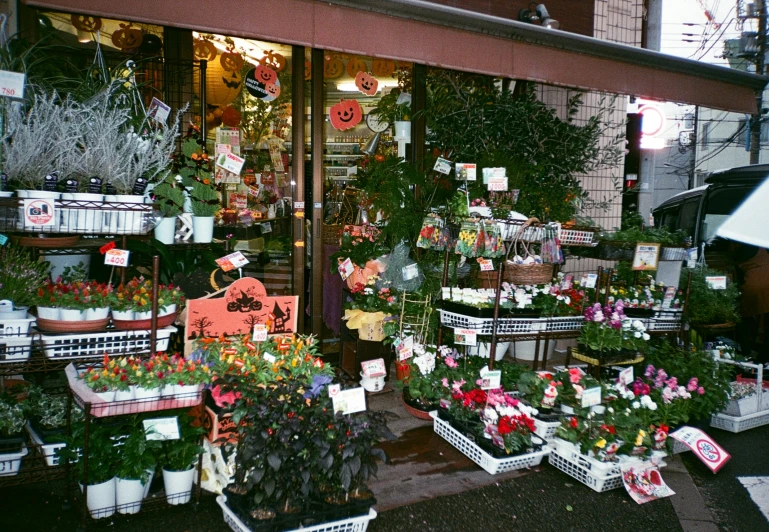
<point x="20" y="277"/>
<point x="178" y="459"/>
<point x="47" y="424"/>
<point x="188" y="377"/>
<point x="150" y="375"/>
<point x="194" y="166"/>
<point x="608" y="334"/>
<point x="709" y="307"/>
<point x="136" y="457"/>
<point x="74" y="301"/>
<point x="105" y="380"/>
<point x="12" y="421"/>
<point x="169" y="199"/>
<point x="395" y="113"/>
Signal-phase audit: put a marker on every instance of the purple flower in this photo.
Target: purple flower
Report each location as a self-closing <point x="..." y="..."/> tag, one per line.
<point x="650" y="371"/>
<point x="318" y="383"/>
<point x="659" y="380"/>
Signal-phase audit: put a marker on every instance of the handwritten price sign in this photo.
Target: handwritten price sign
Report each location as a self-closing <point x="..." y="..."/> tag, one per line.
<point x="117" y="257"/>
<point x="11" y="84"/>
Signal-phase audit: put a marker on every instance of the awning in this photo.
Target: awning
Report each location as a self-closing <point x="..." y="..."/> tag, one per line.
<point x="438" y="35"/>
<point x="749" y="222"/>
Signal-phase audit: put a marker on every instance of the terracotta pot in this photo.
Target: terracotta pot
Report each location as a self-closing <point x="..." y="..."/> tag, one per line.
<point x="402" y="371"/>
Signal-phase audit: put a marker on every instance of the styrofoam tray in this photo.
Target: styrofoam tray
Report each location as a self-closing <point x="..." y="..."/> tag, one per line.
<point x="47" y="449"/>
<point x="353" y="524"/>
<point x="11" y="462"/>
<point x="98" y="344"/>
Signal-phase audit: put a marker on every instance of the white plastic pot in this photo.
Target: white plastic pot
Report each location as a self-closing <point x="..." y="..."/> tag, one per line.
<point x="166" y="230"/>
<point x="100" y="313"/>
<point x="147" y="393"/>
<point x="101" y="499"/>
<point x="170" y="309"/>
<point x="402" y="130"/>
<point x="372" y="384"/>
<point x="83" y="220"/>
<point x="178" y="485"/>
<point x="126" y="395"/>
<point x="123" y="315"/>
<point x="129" y="494"/>
<point x="71" y="314"/>
<point x="202" y="229"/>
<point x="525" y="350"/>
<point x="482" y="349"/>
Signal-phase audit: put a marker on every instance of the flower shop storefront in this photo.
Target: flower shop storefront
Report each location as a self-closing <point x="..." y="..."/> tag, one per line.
<point x="350" y="196"/>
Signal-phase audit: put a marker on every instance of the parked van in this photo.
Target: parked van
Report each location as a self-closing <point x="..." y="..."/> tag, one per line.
<point x="701" y="211"/>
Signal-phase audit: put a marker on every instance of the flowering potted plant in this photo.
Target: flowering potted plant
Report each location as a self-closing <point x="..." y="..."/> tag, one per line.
<point x="608" y="334"/>
<point x="20" y="277"/>
<point x="73" y="301"/>
<point x="105" y="380"/>
<point x="132" y="304"/>
<point x="151" y="376"/>
<point x="369" y="309"/>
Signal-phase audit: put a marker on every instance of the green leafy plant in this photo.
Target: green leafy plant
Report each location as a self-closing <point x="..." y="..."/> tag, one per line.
<point x="12" y="418"/>
<point x="181" y="454"/>
<point x="630" y="237"/>
<point x="47" y="410"/>
<point x="389" y="110"/>
<point x="169" y="197"/>
<point x="21" y="275"/>
<point x="709" y="306"/>
<point x="102" y="458"/>
<point x="136" y="456"/>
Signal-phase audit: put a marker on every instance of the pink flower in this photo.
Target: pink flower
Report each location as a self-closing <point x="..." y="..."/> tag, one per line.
<point x="457" y="385"/>
<point x="693" y="383"/>
<point x="445" y="382"/>
<point x="650" y="371"/>
<point x="450" y="362"/>
<point x="701" y="390"/>
<point x="575" y="375"/>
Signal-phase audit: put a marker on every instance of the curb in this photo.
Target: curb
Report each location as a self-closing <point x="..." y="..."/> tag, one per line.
<point x="693" y="514"/>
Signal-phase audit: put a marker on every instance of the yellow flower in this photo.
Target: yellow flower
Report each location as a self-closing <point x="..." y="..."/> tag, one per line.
<point x="600" y="443"/>
<point x="639" y="440"/>
<point x="138" y="373"/>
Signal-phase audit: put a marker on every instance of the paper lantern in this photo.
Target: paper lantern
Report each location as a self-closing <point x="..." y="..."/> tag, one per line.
<point x="222" y="87"/>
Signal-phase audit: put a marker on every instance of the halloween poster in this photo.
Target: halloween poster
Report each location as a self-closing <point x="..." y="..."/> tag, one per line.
<point x="245" y="303"/>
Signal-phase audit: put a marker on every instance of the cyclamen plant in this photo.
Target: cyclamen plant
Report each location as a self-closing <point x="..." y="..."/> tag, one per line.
<point x="608" y="329"/>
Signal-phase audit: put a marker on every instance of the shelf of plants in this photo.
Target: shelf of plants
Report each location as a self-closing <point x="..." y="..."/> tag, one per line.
<point x="748" y="405"/>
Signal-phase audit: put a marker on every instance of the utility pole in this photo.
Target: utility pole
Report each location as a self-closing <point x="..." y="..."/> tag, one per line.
<point x="755" y="121"/>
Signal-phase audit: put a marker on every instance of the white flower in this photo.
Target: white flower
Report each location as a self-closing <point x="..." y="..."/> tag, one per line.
<point x="591" y="415"/>
<point x="611" y="410"/>
<point x="559" y="298"/>
<point x="615" y="316"/>
<point x="491" y="415"/>
<point x="645" y="337"/>
<point x="567" y="300"/>
<point x="636" y="405"/>
<point x="368" y="291"/>
<point x="647" y="402"/>
<point x="638" y="325"/>
<point x="598" y="317"/>
<point x="637" y="334"/>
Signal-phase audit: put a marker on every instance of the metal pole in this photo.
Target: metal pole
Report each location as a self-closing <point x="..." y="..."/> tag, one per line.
<point x="755" y="121"/>
<point x="154" y="319"/>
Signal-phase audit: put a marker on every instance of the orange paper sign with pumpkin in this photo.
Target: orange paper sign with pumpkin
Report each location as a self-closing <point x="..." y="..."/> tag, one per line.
<point x="244" y="304"/>
<point x="366" y="83"/>
<point x="345" y="115"/>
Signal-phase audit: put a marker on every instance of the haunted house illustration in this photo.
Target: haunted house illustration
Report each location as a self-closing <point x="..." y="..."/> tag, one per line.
<point x="281" y="319"/>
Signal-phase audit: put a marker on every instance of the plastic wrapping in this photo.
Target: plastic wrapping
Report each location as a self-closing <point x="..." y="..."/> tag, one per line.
<point x="401" y="272"/>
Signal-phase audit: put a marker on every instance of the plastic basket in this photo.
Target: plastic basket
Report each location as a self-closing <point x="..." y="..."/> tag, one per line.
<point x="594" y="481"/>
<point x="678" y="447"/>
<point x="566" y="323"/>
<point x="14" y="349"/>
<point x="482" y="458"/>
<point x="15" y="327"/>
<point x="11" y="462"/>
<point x="572" y="237"/>
<point x="741" y="423"/>
<point x="505" y="326"/>
<point x="48" y="450"/>
<point x="352" y="524"/>
<point x="98" y="344"/>
<point x="546" y="429"/>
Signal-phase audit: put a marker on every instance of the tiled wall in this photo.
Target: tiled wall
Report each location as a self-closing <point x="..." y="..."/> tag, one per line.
<point x="617" y="21"/>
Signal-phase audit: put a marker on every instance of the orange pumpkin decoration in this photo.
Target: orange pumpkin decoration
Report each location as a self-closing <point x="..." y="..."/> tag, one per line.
<point x="272" y="89"/>
<point x="204" y="50"/>
<point x="356" y="65"/>
<point x="366" y="83"/>
<point x="333" y="67"/>
<point x="86" y="23"/>
<point x="264" y="74"/>
<point x="231" y="60"/>
<point x="307" y="70"/>
<point x="383" y="67"/>
<point x="273" y="60"/>
<point x="345" y="115"/>
<point x="127" y="37"/>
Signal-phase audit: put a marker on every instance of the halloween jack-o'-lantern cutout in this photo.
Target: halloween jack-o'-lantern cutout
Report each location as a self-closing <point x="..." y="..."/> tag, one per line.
<point x="366" y="83"/>
<point x="383" y="67"/>
<point x="127" y="37"/>
<point x="204" y="50"/>
<point x="264" y="74"/>
<point x="86" y="23"/>
<point x="345" y="115"/>
<point x="231" y="60"/>
<point x="272" y="89"/>
<point x="355" y="65"/>
<point x="332" y="67"/>
<point x="273" y="60"/>
<point x="222" y="87"/>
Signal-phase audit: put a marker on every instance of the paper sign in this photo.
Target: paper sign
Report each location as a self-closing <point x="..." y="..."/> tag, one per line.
<point x="117" y="257"/>
<point x="703" y="446"/>
<point x="486" y="265"/>
<point x="643" y="481"/>
<point x="646" y="257"/>
<point x="442" y="166"/>
<point x="410" y="272"/>
<point x="626" y="376"/>
<point x="670" y="295"/>
<point x="230" y="137"/>
<point x="406" y="348"/>
<point x="497" y="183"/>
<point x="591" y="397"/>
<point x="39" y="212"/>
<point x="465" y="336"/>
<point x="334" y="389"/>
<point x="232" y="261"/>
<point x="299" y="205"/>
<point x="3" y="240"/>
<point x="161" y="428"/>
<point x="373" y="368"/>
<point x="230" y="162"/>
<point x="223" y="148"/>
<point x="11" y="84"/>
<point x="566" y="282"/>
<point x="716" y="283"/>
<point x="346" y="269"/>
<point x="349" y="401"/>
<point x="466" y="171"/>
<point x="266" y="227"/>
<point x="590" y="280"/>
<point x="269" y="358"/>
<point x="158" y="110"/>
<point x="491" y="380"/>
<point x="260" y="334"/>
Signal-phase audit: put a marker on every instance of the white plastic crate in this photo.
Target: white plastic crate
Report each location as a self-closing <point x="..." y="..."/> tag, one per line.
<point x="505" y="326"/>
<point x="576" y="238"/>
<point x="16" y="327"/>
<point x="678" y="447"/>
<point x="546" y="429"/>
<point x="479" y="456"/>
<point x="565" y="323"/>
<point x="48" y="450"/>
<point x="742" y="407"/>
<point x="98" y="344"/>
<point x="673" y="254"/>
<point x="579" y="471"/>
<point x="741" y="423"/>
<point x="11" y="462"/>
<point x="353" y="524"/>
<point x="15" y="349"/>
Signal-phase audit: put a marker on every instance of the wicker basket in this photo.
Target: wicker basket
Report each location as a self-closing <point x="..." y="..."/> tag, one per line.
<point x="523" y="274"/>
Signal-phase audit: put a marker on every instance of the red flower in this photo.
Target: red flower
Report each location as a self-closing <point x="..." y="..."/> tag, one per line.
<point x="573" y="422"/>
<point x="505" y="425"/>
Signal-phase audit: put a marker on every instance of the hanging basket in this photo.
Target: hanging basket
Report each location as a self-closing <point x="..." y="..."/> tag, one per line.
<point x="525" y="274"/>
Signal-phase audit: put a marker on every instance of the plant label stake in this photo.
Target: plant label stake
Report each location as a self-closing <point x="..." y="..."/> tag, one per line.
<point x="466" y="171"/>
<point x="442" y="166"/>
<point x="491" y="379"/>
<point x="11" y="84"/>
<point x="406" y="349"/>
<point x="260" y="333"/>
<point x="591" y="397"/>
<point x="486" y="265"/>
<point x="465" y="336"/>
<point x="161" y="428"/>
<point x="346" y="269"/>
<point x="117" y="257"/>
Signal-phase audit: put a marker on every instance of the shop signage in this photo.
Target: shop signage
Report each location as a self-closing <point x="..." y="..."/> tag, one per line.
<point x="161" y="428"/>
<point x="643" y="481"/>
<point x="703" y="446"/>
<point x="647" y="256"/>
<point x="117" y="257"/>
<point x="491" y="380"/>
<point x="497" y="184"/>
<point x="230" y="162"/>
<point x="347" y="401"/>
<point x="486" y="265"/>
<point x="262" y="82"/>
<point x="406" y="348"/>
<point x="373" y="368"/>
<point x="158" y="111"/>
<point x="260" y="333"/>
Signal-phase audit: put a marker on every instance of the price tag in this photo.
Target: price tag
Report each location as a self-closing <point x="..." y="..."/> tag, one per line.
<point x="260" y="335"/>
<point x="269" y="358"/>
<point x="406" y="349"/>
<point x="349" y="401"/>
<point x="299" y="205"/>
<point x="465" y="336"/>
<point x="590" y="280"/>
<point x="566" y="282"/>
<point x="117" y="257"/>
<point x="373" y="368"/>
<point x="232" y="261"/>
<point x="491" y="380"/>
<point x="716" y="283"/>
<point x="486" y="265"/>
<point x="161" y="428"/>
<point x="497" y="183"/>
<point x="346" y="269"/>
<point x="266" y="227"/>
<point x="410" y="272"/>
<point x="626" y="376"/>
<point x="39" y="212"/>
<point x="466" y="171"/>
<point x="230" y="162"/>
<point x="11" y="84"/>
<point x="3" y="240"/>
<point x="158" y="110"/>
<point x="442" y="166"/>
<point x="591" y="397"/>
